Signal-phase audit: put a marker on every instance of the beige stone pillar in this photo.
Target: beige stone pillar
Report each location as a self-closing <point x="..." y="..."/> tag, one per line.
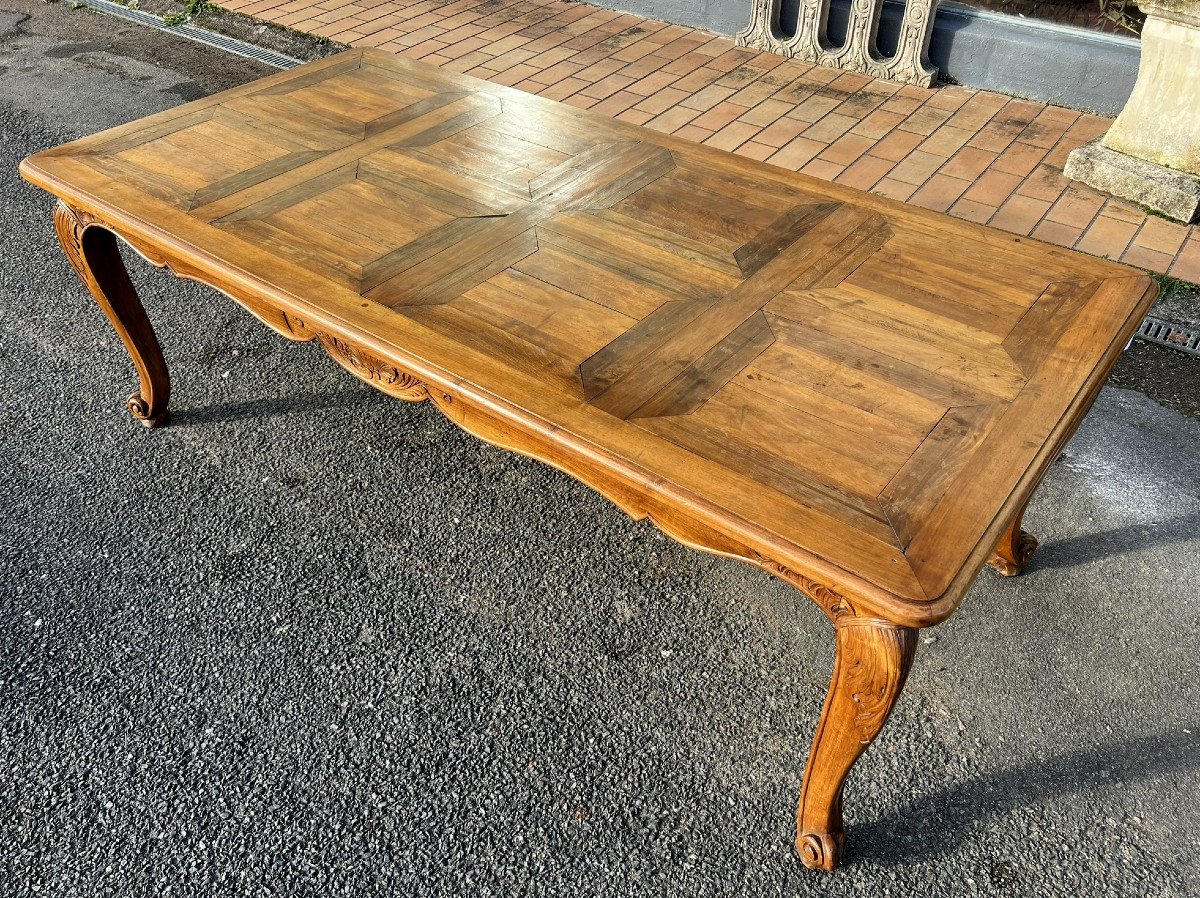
<point x="1151" y="154"/>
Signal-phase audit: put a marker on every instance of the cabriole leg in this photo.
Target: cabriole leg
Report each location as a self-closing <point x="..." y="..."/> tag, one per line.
<point x="873" y="659"/>
<point x="1014" y="550"/>
<point x="93" y="253"/>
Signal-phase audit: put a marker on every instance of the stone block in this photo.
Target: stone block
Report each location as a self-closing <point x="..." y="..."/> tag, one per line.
<point x="1174" y="193"/>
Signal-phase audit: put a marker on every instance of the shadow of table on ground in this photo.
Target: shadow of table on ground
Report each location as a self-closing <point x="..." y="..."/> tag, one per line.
<point x="257" y="409"/>
<point x="935" y="822"/>
<point x="1118" y="541"/>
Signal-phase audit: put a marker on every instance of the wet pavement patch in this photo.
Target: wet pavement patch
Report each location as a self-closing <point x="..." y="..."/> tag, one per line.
<point x="186" y="91"/>
<point x="10" y="23"/>
<point x="69" y="51"/>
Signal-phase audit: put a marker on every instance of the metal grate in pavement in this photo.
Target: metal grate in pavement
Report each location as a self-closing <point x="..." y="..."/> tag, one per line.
<point x="199" y="35"/>
<point x="1156" y="330"/>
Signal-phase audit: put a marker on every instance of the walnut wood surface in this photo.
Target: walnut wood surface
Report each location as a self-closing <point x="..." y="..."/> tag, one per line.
<point x="856" y="395"/>
<point x="850" y="387"/>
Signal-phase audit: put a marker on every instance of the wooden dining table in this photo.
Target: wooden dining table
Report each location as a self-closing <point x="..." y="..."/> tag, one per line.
<point x="853" y="394"/>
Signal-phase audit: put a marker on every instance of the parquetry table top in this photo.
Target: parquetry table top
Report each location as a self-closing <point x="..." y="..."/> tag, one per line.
<point x="847" y="384"/>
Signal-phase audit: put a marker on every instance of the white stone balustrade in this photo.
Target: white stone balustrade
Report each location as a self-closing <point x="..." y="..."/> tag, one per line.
<point x="910" y="63"/>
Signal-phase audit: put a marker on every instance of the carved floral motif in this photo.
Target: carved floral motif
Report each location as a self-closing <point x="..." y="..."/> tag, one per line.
<point x="836" y="605"/>
<point x="874" y="679"/>
<point x="385" y="376"/>
<point x="69" y="225"/>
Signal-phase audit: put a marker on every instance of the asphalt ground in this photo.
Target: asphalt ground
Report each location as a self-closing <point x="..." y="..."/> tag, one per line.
<point x="308" y="640"/>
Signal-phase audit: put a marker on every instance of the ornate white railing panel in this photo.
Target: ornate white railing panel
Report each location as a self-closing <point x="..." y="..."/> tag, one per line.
<point x="910" y="63"/>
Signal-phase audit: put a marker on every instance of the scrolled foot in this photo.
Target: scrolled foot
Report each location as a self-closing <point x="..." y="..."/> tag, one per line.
<point x="140" y="409"/>
<point x="820" y="851"/>
<point x="1013" y="553"/>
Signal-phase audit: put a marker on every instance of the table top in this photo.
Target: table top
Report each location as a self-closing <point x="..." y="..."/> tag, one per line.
<point x="857" y="387"/>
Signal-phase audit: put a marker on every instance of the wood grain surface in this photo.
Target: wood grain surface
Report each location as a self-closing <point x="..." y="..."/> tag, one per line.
<point x="863" y="383"/>
<point x="856" y="395"/>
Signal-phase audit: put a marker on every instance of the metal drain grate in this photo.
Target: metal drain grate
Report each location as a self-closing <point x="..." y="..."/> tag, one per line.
<point x="1155" y="330"/>
<point x="199" y="35"/>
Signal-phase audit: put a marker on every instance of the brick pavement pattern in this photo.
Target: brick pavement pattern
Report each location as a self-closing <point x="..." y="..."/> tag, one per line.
<point x="973" y="154"/>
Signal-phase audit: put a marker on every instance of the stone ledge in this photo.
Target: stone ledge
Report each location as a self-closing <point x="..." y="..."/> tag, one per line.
<point x="1173" y="193"/>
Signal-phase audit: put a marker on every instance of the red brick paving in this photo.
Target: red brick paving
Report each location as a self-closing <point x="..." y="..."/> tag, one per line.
<point x="976" y="155"/>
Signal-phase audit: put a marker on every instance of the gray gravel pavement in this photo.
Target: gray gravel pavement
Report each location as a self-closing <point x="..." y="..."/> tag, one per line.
<point x="312" y="641"/>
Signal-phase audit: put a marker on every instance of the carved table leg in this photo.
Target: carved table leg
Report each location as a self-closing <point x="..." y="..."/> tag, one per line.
<point x="873" y="659"/>
<point x="93" y="253"/>
<point x="1014" y="550"/>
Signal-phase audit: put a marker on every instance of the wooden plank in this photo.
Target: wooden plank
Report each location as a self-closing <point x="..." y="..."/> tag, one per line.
<point x="1021" y="433"/>
<point x="315" y="257"/>
<point x="701" y="380"/>
<point x="684" y="207"/>
<point x="411" y="179"/>
<point x="438" y="113"/>
<point x="987" y="368"/>
<point x="558" y="321"/>
<point x="931" y="470"/>
<point x="896" y="432"/>
<point x="822" y="448"/>
<point x="460" y="322"/>
<point x="666" y="348"/>
<point x="932" y="296"/>
<point x="780" y="234"/>
<point x="875" y="306"/>
<point x="278" y="200"/>
<point x="621" y="291"/>
<point x="287" y="121"/>
<point x="222" y="187"/>
<point x="959" y="285"/>
<point x="601" y="240"/>
<point x="898" y="371"/>
<point x="430" y="282"/>
<point x="786" y="368"/>
<point x="510" y="150"/>
<point x="684" y="248"/>
<point x="1040" y="329"/>
<point x="765" y="468"/>
<point x="129" y="137"/>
